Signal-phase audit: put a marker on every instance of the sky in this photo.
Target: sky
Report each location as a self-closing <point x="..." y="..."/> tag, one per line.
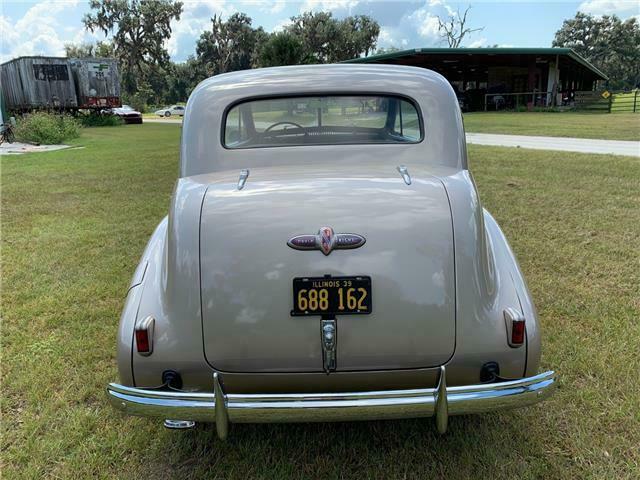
<point x="31" y="27"/>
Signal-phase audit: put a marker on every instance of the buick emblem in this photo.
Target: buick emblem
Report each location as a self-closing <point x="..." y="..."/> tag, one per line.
<point x="326" y="240"/>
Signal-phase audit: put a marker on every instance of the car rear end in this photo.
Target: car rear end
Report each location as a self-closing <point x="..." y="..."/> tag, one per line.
<point x="326" y="258"/>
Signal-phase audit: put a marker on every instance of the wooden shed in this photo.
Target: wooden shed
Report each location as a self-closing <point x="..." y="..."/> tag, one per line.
<point x="38" y="82"/>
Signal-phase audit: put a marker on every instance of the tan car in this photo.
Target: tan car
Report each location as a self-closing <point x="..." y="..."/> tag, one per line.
<point x="326" y="257"/>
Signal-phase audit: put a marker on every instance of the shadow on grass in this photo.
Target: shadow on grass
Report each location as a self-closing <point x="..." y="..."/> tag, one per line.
<point x="473" y="446"/>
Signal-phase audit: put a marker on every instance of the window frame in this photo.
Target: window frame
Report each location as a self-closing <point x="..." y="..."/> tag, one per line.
<point x="253" y="98"/>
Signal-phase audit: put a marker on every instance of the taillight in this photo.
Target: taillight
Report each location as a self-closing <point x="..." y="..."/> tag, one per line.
<point x="517" y="332"/>
<point x="144" y="336"/>
<point x="516" y="327"/>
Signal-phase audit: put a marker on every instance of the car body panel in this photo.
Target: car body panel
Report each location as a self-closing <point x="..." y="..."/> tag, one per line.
<point x="248" y="293"/>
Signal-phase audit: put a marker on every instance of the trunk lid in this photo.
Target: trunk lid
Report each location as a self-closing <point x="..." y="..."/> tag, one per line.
<point x="247" y="269"/>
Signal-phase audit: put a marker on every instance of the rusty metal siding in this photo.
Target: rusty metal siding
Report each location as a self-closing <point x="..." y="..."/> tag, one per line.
<point x="38" y="82"/>
<point x="97" y="81"/>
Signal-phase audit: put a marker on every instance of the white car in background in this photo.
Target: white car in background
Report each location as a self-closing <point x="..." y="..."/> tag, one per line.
<point x="172" y="110"/>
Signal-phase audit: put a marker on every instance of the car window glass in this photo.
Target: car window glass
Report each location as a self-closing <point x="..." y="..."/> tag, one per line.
<point x="322" y="120"/>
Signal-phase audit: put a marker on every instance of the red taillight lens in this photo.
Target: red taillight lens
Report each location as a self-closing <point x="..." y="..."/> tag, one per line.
<point x="142" y="341"/>
<point x="517" y="332"/>
<point x="144" y="336"/>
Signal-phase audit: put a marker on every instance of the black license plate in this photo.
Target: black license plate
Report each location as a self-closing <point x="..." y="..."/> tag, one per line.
<point x="331" y="296"/>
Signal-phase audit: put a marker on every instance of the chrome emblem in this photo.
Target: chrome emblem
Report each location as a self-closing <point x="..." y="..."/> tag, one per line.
<point x="326" y="240"/>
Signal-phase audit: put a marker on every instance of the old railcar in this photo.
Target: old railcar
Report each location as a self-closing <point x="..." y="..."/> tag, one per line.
<point x="97" y="82"/>
<point x="30" y="83"/>
<point x="38" y="82"/>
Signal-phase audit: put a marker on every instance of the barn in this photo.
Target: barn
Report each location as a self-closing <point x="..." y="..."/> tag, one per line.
<point x="496" y="78"/>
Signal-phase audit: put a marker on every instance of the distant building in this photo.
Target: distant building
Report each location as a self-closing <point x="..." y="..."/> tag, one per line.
<point x="494" y="78"/>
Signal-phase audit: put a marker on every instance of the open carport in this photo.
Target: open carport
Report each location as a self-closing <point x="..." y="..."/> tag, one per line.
<point x="490" y="78"/>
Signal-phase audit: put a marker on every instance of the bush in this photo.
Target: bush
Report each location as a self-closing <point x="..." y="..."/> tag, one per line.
<point x="97" y="120"/>
<point x="47" y="128"/>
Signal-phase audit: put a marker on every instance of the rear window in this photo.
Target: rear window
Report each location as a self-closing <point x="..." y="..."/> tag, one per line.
<point x="322" y="120"/>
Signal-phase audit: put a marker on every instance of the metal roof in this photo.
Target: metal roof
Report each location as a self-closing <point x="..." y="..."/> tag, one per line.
<point x="568" y="52"/>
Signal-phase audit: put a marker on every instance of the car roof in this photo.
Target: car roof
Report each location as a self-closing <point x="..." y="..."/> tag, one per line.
<point x="201" y="149"/>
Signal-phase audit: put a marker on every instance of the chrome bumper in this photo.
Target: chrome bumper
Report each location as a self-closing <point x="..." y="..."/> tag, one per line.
<point x="440" y="402"/>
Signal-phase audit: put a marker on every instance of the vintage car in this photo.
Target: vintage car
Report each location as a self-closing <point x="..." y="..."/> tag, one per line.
<point x="326" y="257"/>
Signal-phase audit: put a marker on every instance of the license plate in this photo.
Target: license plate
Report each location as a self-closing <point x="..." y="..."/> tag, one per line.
<point x="331" y="296"/>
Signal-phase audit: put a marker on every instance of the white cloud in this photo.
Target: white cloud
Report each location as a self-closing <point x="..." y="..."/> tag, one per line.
<point x="425" y="22"/>
<point x="622" y="8"/>
<point x="278" y="6"/>
<point x="280" y="26"/>
<point x="480" y="42"/>
<point x="39" y="31"/>
<point x="328" y="5"/>
<point x="195" y="18"/>
<point x="391" y="37"/>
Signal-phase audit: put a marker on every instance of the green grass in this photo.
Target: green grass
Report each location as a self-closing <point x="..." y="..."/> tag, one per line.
<point x="75" y="223"/>
<point x="619" y="126"/>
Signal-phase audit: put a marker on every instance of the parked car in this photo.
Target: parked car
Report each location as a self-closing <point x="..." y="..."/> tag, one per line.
<point x="326" y="257"/>
<point x="172" y="110"/>
<point x="127" y="114"/>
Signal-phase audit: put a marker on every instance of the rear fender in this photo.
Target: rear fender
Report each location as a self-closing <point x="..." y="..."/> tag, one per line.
<point x="169" y="292"/>
<point x="488" y="281"/>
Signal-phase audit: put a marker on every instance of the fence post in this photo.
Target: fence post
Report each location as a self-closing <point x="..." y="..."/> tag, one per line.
<point x="485" y="102"/>
<point x="635" y="98"/>
<point x="610" y="102"/>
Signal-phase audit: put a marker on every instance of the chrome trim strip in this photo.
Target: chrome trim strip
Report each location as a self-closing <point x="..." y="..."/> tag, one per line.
<point x="179" y="424"/>
<point x="325" y="407"/>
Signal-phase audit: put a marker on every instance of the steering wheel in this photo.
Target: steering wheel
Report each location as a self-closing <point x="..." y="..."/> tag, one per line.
<point x="268" y="129"/>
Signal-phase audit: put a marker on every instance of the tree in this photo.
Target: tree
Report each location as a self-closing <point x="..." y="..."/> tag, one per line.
<point x="282" y="48"/>
<point x="316" y="31"/>
<point x="140" y="29"/>
<point x="230" y="45"/>
<point x="328" y="40"/>
<point x="89" y="50"/>
<point x="358" y="36"/>
<point x="454" y="28"/>
<point x="182" y="79"/>
<point x="610" y="44"/>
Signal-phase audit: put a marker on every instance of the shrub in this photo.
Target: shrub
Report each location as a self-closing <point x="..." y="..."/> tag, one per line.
<point x="97" y="120"/>
<point x="47" y="128"/>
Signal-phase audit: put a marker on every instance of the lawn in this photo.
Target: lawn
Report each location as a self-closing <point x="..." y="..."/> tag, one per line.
<point x="609" y="126"/>
<point x="75" y="223"/>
